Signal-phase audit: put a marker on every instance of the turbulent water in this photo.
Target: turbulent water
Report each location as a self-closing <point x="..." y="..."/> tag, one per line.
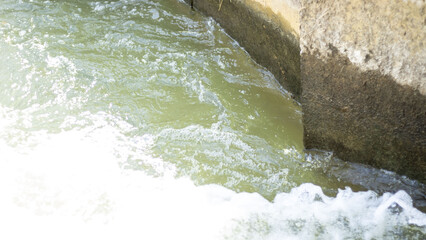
<point x="142" y="119"/>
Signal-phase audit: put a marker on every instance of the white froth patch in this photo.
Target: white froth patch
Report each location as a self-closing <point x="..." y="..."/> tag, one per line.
<point x="70" y="186"/>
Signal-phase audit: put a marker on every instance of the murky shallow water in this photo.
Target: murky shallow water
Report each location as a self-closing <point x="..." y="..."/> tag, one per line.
<point x="144" y="120"/>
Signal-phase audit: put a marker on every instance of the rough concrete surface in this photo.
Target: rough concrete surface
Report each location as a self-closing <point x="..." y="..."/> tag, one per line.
<point x="384" y="35"/>
<point x="363" y="116"/>
<point x="363" y="80"/>
<point x="286" y="10"/>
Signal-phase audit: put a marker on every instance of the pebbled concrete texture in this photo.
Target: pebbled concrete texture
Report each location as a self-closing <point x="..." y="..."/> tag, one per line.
<point x="364" y="81"/>
<point x="384" y="35"/>
<point x="363" y="116"/>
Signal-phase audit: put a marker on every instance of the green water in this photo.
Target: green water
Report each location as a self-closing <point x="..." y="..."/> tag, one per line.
<point x="144" y="120"/>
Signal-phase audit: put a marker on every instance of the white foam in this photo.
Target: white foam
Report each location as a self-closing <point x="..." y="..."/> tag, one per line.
<point x="70" y="185"/>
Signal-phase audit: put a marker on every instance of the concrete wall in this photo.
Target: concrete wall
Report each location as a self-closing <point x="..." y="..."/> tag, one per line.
<point x="364" y="81"/>
<point x="357" y="66"/>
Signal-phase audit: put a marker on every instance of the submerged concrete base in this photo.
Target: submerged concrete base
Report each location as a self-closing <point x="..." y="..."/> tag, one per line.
<point x="363" y="116"/>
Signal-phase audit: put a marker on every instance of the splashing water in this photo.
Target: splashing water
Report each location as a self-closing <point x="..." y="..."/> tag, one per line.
<point x="140" y="119"/>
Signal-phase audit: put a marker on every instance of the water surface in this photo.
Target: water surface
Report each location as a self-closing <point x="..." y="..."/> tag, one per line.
<point x="142" y="119"/>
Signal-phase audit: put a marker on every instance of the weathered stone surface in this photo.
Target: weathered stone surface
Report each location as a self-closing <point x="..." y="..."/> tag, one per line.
<point x="384" y="35"/>
<point x="269" y="38"/>
<point x="363" y="80"/>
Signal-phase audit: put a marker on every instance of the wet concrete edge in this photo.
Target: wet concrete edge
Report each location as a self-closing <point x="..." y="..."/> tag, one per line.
<point x="264" y="39"/>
